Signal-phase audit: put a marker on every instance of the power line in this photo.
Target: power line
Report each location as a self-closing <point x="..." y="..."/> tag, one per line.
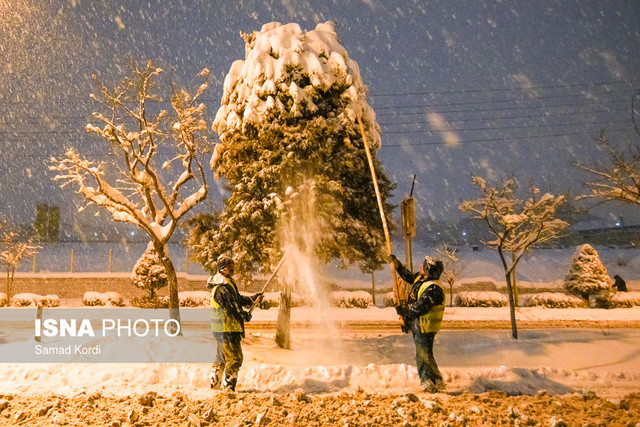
<point x="475" y="141"/>
<point x="518" y="89"/>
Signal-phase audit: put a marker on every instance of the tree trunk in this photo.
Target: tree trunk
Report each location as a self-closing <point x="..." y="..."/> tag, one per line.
<point x="172" y="281"/>
<point x="514" y="280"/>
<point x="373" y="287"/>
<point x="9" y="285"/>
<point x="283" y="330"/>
<point x="512" y="308"/>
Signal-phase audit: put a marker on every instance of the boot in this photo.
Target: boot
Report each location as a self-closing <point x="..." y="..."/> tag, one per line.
<point x="216" y="376"/>
<point x="230" y="381"/>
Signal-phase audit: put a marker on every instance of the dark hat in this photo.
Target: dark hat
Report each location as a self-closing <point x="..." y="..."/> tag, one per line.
<point x="224" y="261"/>
<point x="432" y="267"/>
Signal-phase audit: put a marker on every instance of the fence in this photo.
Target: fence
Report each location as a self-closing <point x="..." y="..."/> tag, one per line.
<point x="79" y="257"/>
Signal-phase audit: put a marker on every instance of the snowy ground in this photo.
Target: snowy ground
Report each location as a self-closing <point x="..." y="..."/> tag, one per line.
<point x="344" y="355"/>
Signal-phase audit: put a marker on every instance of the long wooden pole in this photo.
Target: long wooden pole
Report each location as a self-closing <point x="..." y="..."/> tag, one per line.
<point x="396" y="290"/>
<point x="273" y="275"/>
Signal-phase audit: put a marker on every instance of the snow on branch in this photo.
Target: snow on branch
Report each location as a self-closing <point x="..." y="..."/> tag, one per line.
<point x="144" y="192"/>
<point x="620" y="179"/>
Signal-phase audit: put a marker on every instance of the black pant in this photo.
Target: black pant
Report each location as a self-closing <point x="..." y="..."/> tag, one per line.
<point x="228" y="357"/>
<point x="426" y="363"/>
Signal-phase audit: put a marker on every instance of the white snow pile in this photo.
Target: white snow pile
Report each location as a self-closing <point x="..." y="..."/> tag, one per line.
<point x="256" y="86"/>
<point x="346" y="299"/>
<point x="34" y="300"/>
<point x="550" y="300"/>
<point x="481" y="299"/>
<point x="3" y="299"/>
<point x="110" y="299"/>
<point x="624" y="299"/>
<point x="194" y="298"/>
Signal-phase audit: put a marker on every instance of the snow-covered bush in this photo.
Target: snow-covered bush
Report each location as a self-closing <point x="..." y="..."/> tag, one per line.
<point x="92" y="299"/>
<point x="481" y="299"/>
<point x="34" y="300"/>
<point x="3" y="299"/>
<point x="389" y="299"/>
<point x="194" y="298"/>
<point x="587" y="275"/>
<point x="272" y="299"/>
<point x="624" y="300"/>
<point x="149" y="273"/>
<point x="345" y="299"/>
<point x="550" y="300"/>
<point x="147" y="302"/>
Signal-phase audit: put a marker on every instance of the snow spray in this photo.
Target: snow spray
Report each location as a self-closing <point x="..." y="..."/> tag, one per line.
<point x="301" y="230"/>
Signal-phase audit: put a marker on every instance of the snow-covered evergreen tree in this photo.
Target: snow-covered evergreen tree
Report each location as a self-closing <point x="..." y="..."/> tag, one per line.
<point x="289" y="135"/>
<point x="148" y="273"/>
<point x="587" y="275"/>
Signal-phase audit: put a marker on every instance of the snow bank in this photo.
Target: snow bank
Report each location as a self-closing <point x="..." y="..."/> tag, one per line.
<point x="92" y="299"/>
<point x="345" y="299"/>
<point x="34" y="300"/>
<point x="550" y="300"/>
<point x="481" y="299"/>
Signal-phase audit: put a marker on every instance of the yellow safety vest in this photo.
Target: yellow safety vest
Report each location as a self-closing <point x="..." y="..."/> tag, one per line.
<point x="220" y="320"/>
<point x="431" y="321"/>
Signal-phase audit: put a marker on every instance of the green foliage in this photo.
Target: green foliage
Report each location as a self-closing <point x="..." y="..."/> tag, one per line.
<point x="275" y="166"/>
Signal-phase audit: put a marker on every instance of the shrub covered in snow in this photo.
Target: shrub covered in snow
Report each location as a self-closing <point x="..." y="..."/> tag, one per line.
<point x="148" y="273"/>
<point x="481" y="299"/>
<point x="34" y="300"/>
<point x="389" y="299"/>
<point x="272" y="299"/>
<point x="345" y="299"/>
<point x="587" y="275"/>
<point x="550" y="300"/>
<point x="3" y="299"/>
<point x="624" y="300"/>
<point x="194" y="298"/>
<point x="147" y="302"/>
<point x="92" y="299"/>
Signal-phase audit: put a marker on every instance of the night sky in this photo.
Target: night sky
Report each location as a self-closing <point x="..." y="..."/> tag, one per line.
<point x="494" y="88"/>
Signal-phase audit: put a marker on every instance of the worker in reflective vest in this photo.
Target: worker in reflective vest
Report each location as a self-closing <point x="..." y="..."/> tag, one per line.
<point x="422" y="314"/>
<point x="227" y="324"/>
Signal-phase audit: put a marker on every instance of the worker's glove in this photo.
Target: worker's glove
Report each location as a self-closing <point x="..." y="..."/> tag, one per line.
<point x="258" y="297"/>
<point x="393" y="259"/>
<point x="400" y="310"/>
<point x="246" y="316"/>
<point x="210" y="283"/>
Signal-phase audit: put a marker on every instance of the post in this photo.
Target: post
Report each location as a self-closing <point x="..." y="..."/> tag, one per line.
<point x="110" y="260"/>
<point x="33" y="267"/>
<point x="396" y="290"/>
<point x="73" y="269"/>
<point x="37" y="337"/>
<point x="408" y="210"/>
<point x="373" y="287"/>
<point x="186" y="261"/>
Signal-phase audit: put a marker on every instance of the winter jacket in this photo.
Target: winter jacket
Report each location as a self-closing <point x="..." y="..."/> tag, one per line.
<point x="424" y="309"/>
<point x="226" y="305"/>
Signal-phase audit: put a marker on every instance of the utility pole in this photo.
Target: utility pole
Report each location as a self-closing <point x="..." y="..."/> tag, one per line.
<point x="408" y="209"/>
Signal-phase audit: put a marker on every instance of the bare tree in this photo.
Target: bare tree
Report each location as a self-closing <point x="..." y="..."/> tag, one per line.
<point x="516" y="224"/>
<point x="140" y="184"/>
<point x="453" y="268"/>
<point x="12" y="250"/>
<point x="620" y="179"/>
